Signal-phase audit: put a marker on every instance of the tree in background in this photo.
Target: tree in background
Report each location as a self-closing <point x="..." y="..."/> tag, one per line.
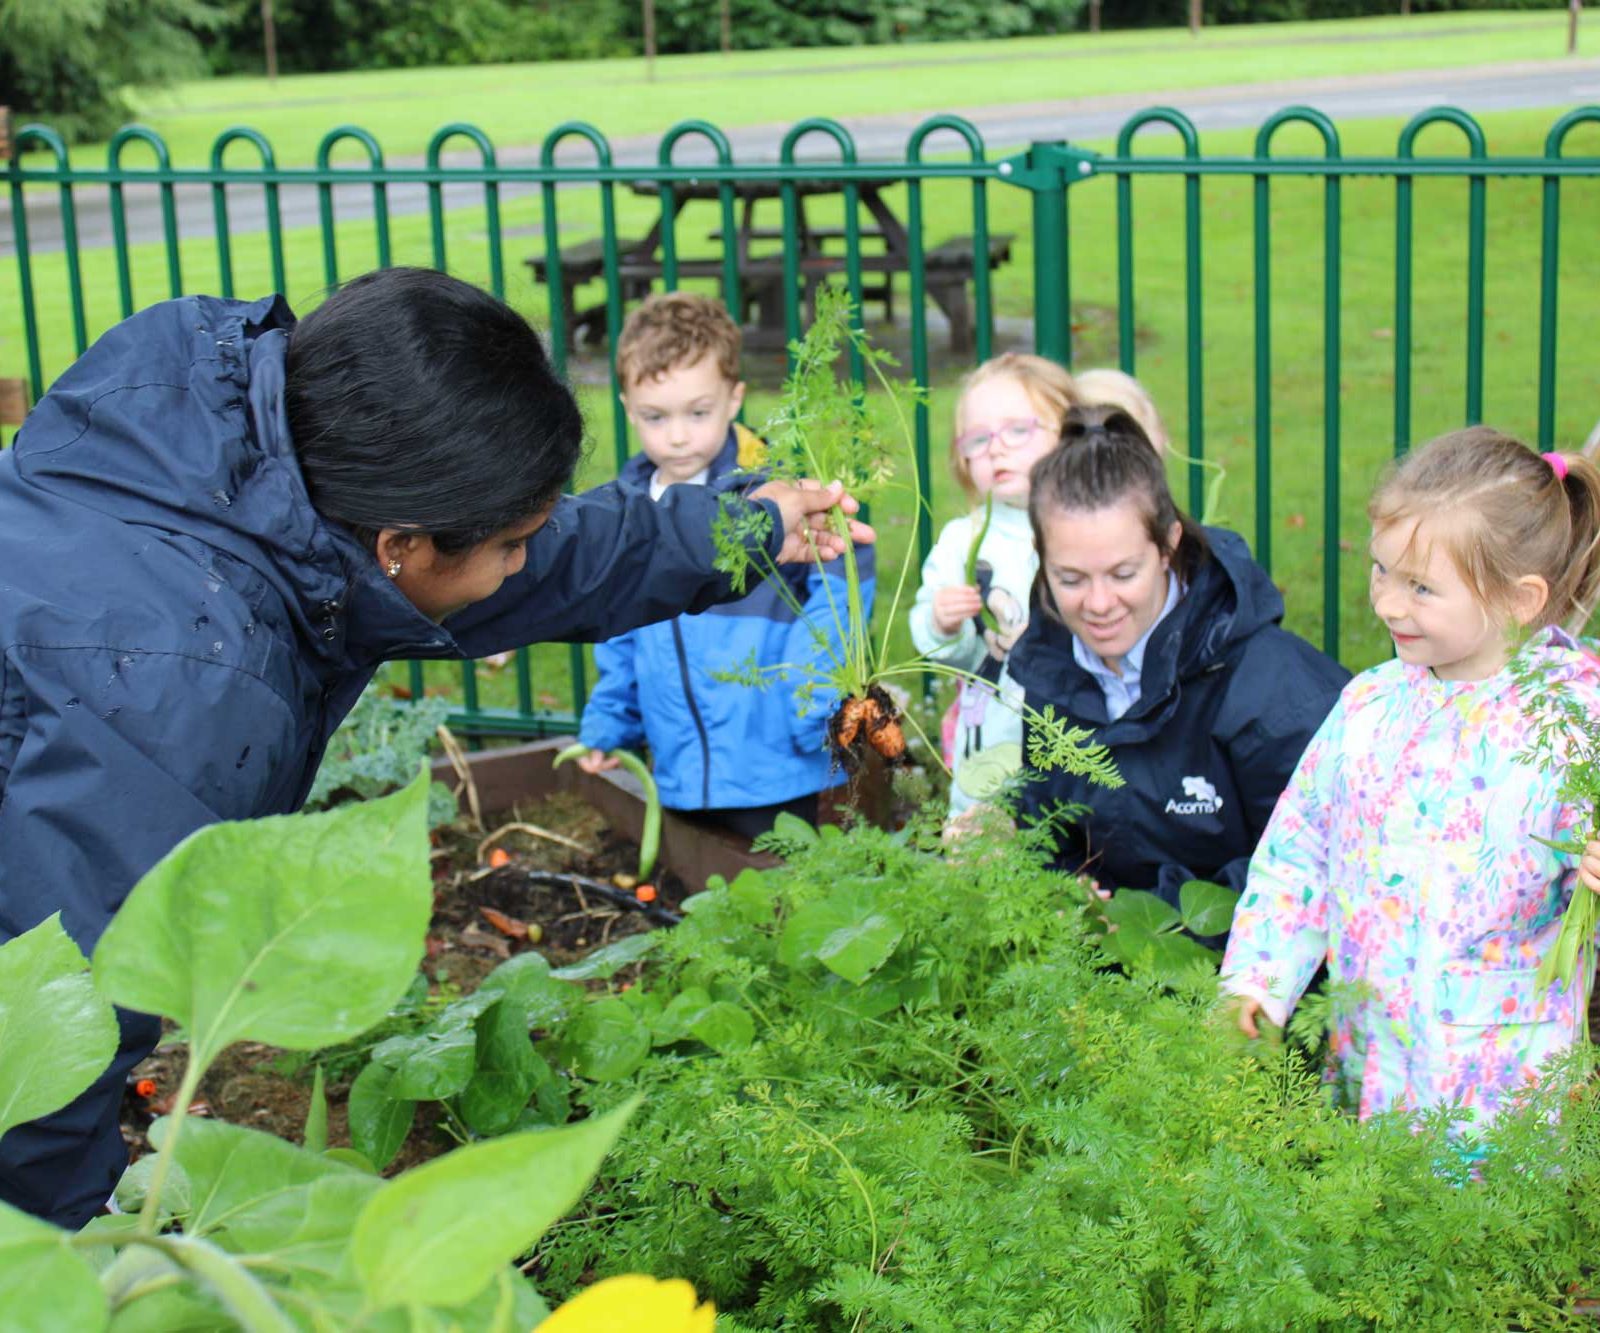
<point x="67" y="61"/>
<point x="317" y="35"/>
<point x="691" y="25"/>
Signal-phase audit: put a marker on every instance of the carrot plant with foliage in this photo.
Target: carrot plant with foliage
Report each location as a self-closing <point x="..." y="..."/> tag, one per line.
<point x="1566" y="737"/>
<point x="822" y="428"/>
<point x="946" y="1113"/>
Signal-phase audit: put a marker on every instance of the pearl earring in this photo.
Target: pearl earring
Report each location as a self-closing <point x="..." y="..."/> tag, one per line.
<point x="393" y="569"/>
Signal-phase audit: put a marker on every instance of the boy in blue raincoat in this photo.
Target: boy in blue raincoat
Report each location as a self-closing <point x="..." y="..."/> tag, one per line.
<point x="727" y="752"/>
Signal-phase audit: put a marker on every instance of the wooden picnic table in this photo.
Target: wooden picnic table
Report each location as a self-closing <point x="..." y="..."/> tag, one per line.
<point x="758" y="252"/>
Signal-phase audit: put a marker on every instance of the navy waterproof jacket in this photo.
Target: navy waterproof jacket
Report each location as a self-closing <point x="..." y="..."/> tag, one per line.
<point x="1228" y="701"/>
<point x="181" y="631"/>
<point x="719" y="743"/>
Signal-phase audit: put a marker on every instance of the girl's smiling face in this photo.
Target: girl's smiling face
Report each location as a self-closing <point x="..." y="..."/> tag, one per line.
<point x="1000" y="411"/>
<point x="1434" y="617"/>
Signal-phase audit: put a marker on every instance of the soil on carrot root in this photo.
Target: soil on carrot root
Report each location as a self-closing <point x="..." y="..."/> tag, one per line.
<point x="264" y="1088"/>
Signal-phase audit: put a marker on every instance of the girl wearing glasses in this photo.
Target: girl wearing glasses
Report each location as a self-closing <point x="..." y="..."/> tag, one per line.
<point x="1008" y="417"/>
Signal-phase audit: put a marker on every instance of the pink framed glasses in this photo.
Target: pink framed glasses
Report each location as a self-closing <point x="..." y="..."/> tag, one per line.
<point x="1013" y="434"/>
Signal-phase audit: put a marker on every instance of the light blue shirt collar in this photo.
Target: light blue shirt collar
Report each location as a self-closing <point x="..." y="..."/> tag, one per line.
<point x="1122" y="691"/>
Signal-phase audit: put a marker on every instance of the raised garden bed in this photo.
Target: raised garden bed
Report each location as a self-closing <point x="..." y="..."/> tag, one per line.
<point x="568" y="897"/>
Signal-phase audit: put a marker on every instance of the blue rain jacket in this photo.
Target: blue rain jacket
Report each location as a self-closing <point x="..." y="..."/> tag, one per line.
<point x="715" y="743"/>
<point x="181" y="632"/>
<point x="1228" y="701"/>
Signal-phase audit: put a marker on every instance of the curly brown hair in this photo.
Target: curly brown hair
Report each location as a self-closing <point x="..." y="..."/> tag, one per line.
<point x="673" y="329"/>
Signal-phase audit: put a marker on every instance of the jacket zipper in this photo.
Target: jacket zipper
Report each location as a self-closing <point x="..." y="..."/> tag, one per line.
<point x="694" y="712"/>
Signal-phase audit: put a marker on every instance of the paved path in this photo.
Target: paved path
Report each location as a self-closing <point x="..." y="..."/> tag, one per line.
<point x="1550" y="84"/>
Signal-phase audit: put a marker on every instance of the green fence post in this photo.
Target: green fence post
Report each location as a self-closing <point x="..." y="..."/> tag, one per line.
<point x="1052" y="296"/>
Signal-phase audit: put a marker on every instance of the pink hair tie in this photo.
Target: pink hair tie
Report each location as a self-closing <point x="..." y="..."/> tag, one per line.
<point x="1558" y="464"/>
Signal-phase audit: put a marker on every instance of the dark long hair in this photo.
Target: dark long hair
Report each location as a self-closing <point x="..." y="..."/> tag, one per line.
<point x="1104" y="459"/>
<point x="417" y="401"/>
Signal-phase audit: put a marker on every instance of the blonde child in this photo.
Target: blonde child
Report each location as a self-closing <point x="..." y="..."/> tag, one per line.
<point x="1405" y="850"/>
<point x="1115" y="388"/>
<point x="722" y="751"/>
<point x="1008" y="417"/>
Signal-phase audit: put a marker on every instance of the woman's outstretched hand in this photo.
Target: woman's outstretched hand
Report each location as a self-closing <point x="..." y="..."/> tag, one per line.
<point x="804" y="506"/>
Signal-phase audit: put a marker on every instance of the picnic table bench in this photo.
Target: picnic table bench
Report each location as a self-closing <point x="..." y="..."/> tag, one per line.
<point x="947" y="267"/>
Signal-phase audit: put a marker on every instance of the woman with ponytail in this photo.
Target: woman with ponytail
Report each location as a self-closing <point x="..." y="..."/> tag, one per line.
<point x="1412" y="849"/>
<point x="1164" y="638"/>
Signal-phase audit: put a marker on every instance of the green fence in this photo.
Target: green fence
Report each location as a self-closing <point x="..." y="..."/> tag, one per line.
<point x="1241" y="284"/>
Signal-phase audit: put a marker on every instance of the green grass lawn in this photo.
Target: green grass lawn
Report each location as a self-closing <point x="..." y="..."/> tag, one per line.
<point x="518" y="104"/>
<point x="1364" y="392"/>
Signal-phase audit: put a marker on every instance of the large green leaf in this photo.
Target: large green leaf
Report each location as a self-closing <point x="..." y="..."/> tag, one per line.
<point x="1207" y="908"/>
<point x="172" y="1310"/>
<point x="438" y="1235"/>
<point x="526" y="982"/>
<point x="57" y="1033"/>
<point x="1167" y="953"/>
<point x="608" y="1041"/>
<point x="507" y="1071"/>
<point x="849" y="931"/>
<point x="298" y="930"/>
<point x="44" y="1286"/>
<point x="305" y="1228"/>
<point x="432" y="1064"/>
<point x="609" y="960"/>
<point x="379" y="1122"/>
<point x="235" y="1172"/>
<point x="1137" y="909"/>
<point x="720" y="1024"/>
<point x="859" y="948"/>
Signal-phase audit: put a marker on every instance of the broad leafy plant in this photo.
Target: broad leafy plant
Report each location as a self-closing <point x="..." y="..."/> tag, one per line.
<point x="376" y="750"/>
<point x="299" y="931"/>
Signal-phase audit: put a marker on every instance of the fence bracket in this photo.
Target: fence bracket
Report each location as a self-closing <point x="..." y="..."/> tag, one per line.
<point x="1046" y="166"/>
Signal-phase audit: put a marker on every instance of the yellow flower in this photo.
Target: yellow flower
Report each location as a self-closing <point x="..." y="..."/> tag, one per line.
<point x="633" y="1303"/>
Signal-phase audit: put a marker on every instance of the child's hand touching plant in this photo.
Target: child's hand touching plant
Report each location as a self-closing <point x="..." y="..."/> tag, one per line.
<point x="954" y="606"/>
<point x="1589" y="867"/>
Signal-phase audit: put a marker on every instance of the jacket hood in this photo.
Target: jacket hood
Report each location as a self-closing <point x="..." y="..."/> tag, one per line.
<point x="174" y="422"/>
<point x="1229" y="599"/>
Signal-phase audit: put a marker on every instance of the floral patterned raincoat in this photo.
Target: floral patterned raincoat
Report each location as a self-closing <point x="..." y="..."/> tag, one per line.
<point x="1403" y="851"/>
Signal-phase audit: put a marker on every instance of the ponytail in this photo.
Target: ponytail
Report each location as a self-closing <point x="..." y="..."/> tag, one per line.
<point x="1574" y="601"/>
<point x="1503" y="513"/>
<point x="1104" y="459"/>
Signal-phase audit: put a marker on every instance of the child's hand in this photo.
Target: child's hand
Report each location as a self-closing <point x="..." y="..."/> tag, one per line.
<point x="953" y="607"/>
<point x="596" y="762"/>
<point x="804" y="506"/>
<point x="1589" y="867"/>
<point x="1245" y="1012"/>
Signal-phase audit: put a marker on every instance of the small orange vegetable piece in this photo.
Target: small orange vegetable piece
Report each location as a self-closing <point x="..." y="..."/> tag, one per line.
<point x="499" y="857"/>
<point x="145" y="1087"/>
<point x="506" y="925"/>
<point x="645" y="893"/>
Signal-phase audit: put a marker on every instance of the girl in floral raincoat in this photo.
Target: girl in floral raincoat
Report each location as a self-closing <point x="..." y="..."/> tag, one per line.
<point x="1404" y="849"/>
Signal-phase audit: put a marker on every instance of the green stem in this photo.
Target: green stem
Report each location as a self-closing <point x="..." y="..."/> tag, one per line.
<point x="244" y="1298"/>
<point x="909" y="436"/>
<point x="857" y="643"/>
<point x="650" y="837"/>
<point x="150" y="1214"/>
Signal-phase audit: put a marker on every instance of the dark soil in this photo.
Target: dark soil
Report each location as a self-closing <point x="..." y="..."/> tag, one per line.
<point x="270" y="1090"/>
